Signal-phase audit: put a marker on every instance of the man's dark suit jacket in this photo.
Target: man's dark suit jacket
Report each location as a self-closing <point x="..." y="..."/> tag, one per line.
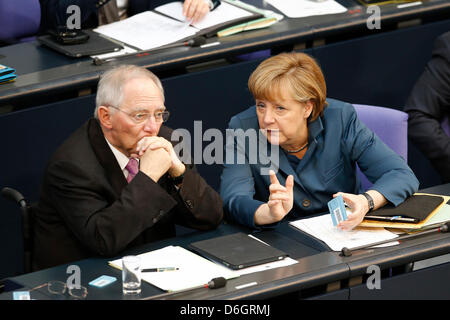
<point x="87" y="208"/>
<point x="429" y="104"/>
<point x="53" y="12"/>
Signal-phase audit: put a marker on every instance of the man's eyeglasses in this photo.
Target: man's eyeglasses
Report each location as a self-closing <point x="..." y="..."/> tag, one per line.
<point x="57" y="289"/>
<point x="140" y="117"/>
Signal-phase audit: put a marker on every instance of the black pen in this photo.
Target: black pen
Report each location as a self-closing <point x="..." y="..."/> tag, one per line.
<point x="392" y="219"/>
<point x="160" y="269"/>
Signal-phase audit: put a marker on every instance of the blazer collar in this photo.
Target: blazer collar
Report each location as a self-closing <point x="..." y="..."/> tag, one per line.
<point x="105" y="156"/>
<point x="315" y="128"/>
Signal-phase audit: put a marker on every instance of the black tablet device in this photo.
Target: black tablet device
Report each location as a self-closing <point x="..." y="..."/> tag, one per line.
<point x="237" y="251"/>
<point x="96" y="44"/>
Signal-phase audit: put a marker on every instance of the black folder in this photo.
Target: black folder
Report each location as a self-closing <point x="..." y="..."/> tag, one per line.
<point x="417" y="207"/>
<point x="237" y="251"/>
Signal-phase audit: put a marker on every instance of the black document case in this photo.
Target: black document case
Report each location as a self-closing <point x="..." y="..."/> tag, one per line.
<point x="237" y="251"/>
<point x="417" y="206"/>
<point x="96" y="44"/>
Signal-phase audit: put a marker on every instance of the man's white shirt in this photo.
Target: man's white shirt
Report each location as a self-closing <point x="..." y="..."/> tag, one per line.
<point x="121" y="158"/>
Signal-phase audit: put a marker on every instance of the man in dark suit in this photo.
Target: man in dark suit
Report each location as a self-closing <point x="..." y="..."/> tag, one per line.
<point x="428" y="107"/>
<point x="116" y="182"/>
<point x="97" y="12"/>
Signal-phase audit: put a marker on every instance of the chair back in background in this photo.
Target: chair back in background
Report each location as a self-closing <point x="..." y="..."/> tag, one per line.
<point x="390" y="125"/>
<point x="19" y="20"/>
<point x="30" y="137"/>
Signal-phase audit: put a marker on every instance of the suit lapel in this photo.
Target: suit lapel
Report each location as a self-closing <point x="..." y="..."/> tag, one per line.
<point x="315" y="128"/>
<point x="105" y="156"/>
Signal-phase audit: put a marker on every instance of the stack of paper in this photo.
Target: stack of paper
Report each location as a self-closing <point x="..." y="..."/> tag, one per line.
<point x="322" y="228"/>
<point x="224" y="13"/>
<point x="307" y="8"/>
<point x="194" y="270"/>
<point x="149" y="30"/>
<point x="270" y="17"/>
<point x="266" y="13"/>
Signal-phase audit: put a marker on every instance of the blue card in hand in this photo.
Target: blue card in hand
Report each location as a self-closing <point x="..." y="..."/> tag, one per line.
<point x="337" y="210"/>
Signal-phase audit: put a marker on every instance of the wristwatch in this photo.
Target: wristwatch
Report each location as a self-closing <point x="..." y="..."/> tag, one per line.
<point x="369" y="200"/>
<point x="177" y="180"/>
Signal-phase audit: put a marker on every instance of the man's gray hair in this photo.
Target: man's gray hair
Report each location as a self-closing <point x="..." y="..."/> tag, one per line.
<point x="110" y="86"/>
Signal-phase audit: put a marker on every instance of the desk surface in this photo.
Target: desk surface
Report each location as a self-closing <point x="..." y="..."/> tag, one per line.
<point x="42" y="71"/>
<point x="317" y="266"/>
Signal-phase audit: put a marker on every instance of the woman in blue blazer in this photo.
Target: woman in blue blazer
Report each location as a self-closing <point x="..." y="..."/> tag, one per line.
<point x="320" y="142"/>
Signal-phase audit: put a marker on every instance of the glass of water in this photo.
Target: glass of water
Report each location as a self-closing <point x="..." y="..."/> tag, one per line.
<point x="131" y="275"/>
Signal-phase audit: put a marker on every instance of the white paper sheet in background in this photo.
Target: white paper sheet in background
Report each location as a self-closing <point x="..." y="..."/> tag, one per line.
<point x="306" y="8"/>
<point x="322" y="228"/>
<point x="147" y="30"/>
<point x="125" y="50"/>
<point x="223" y="13"/>
<point x="249" y="7"/>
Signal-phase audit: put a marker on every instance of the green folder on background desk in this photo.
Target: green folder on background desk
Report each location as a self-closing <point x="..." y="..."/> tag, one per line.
<point x="251" y="25"/>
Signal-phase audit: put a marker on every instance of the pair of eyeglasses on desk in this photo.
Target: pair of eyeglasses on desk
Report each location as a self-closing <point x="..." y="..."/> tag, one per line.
<point x="58" y="289"/>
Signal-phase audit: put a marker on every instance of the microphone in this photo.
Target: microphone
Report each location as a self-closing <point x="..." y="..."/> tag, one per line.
<point x="346" y="252"/>
<point x="217" y="283"/>
<point x="195" y="42"/>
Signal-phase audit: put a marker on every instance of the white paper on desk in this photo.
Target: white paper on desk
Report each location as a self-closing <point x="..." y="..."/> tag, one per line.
<point x="322" y="228"/>
<point x="266" y="266"/>
<point x="223" y="13"/>
<point x="194" y="270"/>
<point x="123" y="51"/>
<point x="306" y="8"/>
<point x="147" y="30"/>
